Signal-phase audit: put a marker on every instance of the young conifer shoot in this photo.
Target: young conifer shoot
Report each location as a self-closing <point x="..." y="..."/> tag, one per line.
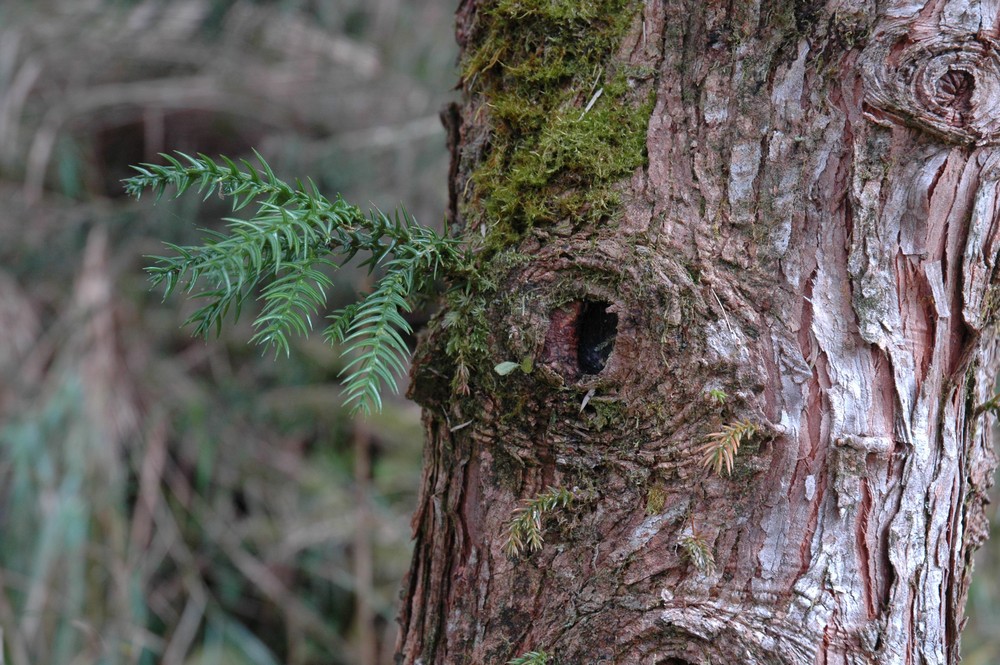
<point x="530" y="658"/>
<point x="283" y="255"/>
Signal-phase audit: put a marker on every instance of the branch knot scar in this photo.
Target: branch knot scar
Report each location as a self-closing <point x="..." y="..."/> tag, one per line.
<point x="948" y="85"/>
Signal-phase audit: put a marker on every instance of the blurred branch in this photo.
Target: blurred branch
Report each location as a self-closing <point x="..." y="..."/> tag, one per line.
<point x="195" y="92"/>
<point x="364" y="616"/>
<point x="149" y="488"/>
<point x="381" y="137"/>
<point x="12" y="103"/>
<point x="254" y="570"/>
<point x="296" y="37"/>
<point x="187" y="629"/>
<point x="15" y="641"/>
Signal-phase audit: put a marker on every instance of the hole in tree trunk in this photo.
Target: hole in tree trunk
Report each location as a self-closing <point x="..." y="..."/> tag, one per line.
<point x="596" y="328"/>
<point x="580" y="339"/>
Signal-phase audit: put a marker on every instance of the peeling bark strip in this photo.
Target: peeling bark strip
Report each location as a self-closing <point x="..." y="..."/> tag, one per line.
<point x="809" y="247"/>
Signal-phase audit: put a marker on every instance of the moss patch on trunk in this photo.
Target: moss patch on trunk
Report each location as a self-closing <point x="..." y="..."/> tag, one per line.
<point x="567" y="120"/>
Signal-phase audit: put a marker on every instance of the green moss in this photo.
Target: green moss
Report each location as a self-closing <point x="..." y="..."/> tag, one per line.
<point x="852" y="29"/>
<point x="601" y="413"/>
<point x="991" y="305"/>
<point x="656" y="500"/>
<point x="467" y="336"/>
<point x="566" y="122"/>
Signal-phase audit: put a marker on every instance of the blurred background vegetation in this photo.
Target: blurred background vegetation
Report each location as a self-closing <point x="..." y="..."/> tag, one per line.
<point x="168" y="500"/>
<point x="165" y="499"/>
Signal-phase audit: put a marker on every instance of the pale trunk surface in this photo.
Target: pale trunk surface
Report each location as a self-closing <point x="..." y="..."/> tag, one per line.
<point x="814" y="235"/>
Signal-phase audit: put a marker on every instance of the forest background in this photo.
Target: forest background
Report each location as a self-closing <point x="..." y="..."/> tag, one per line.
<point x="164" y="499"/>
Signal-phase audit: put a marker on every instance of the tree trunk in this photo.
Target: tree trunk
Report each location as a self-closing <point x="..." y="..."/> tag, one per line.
<point x="764" y="226"/>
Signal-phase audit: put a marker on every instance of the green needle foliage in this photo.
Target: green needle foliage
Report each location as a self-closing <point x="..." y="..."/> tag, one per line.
<point x="720" y="450"/>
<point x="525" y="531"/>
<point x="283" y="254"/>
<point x="697" y="550"/>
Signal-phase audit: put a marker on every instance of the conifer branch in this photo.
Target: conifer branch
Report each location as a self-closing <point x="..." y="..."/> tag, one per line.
<point x="282" y="256"/>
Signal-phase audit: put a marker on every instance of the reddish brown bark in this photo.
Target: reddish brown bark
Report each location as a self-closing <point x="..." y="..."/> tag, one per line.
<point x="814" y="235"/>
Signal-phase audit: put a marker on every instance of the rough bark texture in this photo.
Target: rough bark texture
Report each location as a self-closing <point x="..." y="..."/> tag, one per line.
<point x="813" y="233"/>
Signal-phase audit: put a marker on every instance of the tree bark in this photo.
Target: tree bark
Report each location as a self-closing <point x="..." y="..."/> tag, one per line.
<point x="807" y="249"/>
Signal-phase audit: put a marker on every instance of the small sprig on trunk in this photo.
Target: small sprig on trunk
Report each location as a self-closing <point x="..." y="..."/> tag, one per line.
<point x="722" y="447"/>
<point x="530" y="658"/>
<point x="525" y="531"/>
<point x="695" y="549"/>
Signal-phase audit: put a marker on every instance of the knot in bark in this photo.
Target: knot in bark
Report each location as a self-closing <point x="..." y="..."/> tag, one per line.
<point x="947" y="84"/>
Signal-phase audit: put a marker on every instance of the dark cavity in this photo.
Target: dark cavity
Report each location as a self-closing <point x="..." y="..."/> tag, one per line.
<point x="954" y="90"/>
<point x="580" y="338"/>
<point x="596" y="329"/>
